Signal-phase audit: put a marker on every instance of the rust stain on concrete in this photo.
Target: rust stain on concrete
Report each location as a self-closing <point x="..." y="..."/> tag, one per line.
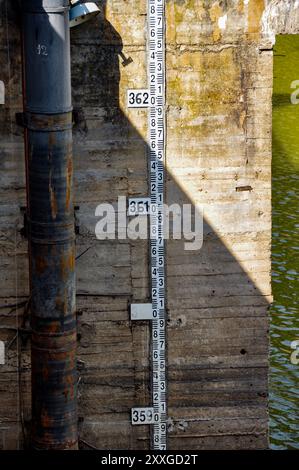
<point x="215" y="13"/>
<point x="255" y="12"/>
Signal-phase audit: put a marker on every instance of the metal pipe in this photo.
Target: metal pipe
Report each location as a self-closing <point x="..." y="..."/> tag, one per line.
<point x="48" y="121"/>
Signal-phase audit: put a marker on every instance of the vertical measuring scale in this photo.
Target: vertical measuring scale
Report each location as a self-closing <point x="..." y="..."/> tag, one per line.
<point x="156" y="74"/>
<point x="154" y="98"/>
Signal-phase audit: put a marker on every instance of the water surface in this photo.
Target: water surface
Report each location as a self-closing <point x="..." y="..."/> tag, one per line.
<point x="284" y="378"/>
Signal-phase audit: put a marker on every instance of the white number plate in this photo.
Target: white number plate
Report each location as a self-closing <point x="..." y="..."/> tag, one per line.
<point x="139" y="206"/>
<point x="143" y="416"/>
<point x="2" y="352"/>
<point x="138" y="98"/>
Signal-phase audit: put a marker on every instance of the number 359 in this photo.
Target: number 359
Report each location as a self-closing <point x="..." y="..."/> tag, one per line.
<point x="137" y="98"/>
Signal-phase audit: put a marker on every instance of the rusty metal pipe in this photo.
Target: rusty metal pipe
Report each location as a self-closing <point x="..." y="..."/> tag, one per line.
<point x="48" y="121"/>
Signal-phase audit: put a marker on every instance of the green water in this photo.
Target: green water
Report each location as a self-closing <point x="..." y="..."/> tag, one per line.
<point x="284" y="380"/>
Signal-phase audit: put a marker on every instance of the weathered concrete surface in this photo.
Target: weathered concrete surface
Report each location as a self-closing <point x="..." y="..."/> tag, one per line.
<point x="219" y="85"/>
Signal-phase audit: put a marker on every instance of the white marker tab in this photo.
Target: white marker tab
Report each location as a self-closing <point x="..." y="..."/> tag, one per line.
<point x="139" y="206"/>
<point x="142" y="312"/>
<point x="2" y="92"/>
<point x="144" y="416"/>
<point x="138" y="98"/>
<point x="2" y="352"/>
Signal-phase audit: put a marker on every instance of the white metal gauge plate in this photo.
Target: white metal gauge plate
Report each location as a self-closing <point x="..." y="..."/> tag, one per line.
<point x="138" y="98"/>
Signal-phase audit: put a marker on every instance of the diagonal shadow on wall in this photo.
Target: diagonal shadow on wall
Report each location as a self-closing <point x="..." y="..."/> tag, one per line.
<point x="217" y="335"/>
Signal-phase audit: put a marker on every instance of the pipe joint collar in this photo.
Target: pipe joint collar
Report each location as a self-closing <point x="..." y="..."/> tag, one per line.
<point x="45" y="6"/>
<point x="47" y="122"/>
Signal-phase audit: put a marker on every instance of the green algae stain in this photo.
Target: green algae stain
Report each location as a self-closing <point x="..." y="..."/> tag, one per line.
<point x="181" y="7"/>
<point x="284" y="380"/>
